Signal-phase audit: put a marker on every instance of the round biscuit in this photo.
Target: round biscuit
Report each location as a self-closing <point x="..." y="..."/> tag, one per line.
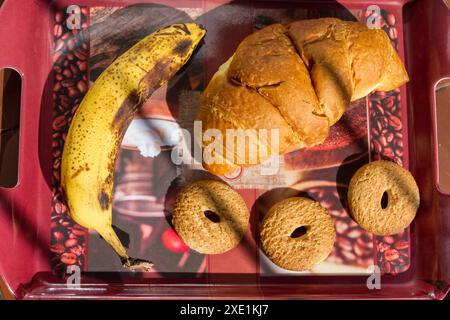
<point x="280" y="242"/>
<point x="365" y="197"/>
<point x="210" y="216"/>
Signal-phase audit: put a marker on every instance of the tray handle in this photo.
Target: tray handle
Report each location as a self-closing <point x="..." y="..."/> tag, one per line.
<point x="25" y="43"/>
<point x="11" y="44"/>
<point x="441" y="127"/>
<point x="439" y="93"/>
<point x="8" y="60"/>
<point x="440" y="97"/>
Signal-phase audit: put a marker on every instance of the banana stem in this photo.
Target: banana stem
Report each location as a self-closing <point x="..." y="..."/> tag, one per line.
<point x="133" y="264"/>
<point x="128" y="263"/>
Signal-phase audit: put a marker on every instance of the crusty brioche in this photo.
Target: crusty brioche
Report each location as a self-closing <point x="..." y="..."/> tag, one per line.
<point x="298" y="78"/>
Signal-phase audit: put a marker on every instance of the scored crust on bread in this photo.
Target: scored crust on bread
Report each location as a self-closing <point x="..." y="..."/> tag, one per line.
<point x="300" y="79"/>
<point x="268" y="62"/>
<point x="225" y="105"/>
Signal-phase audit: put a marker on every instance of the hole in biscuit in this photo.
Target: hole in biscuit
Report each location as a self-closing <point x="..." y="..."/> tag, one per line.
<point x="212" y="216"/>
<point x="384" y="200"/>
<point x="299" y="232"/>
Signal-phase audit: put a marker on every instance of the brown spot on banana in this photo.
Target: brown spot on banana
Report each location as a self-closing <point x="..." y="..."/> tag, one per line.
<point x="80" y="170"/>
<point x="104" y="200"/>
<point x="154" y="79"/>
<point x="109" y="178"/>
<point x="183" y="47"/>
<point x="165" y="34"/>
<point x="125" y="114"/>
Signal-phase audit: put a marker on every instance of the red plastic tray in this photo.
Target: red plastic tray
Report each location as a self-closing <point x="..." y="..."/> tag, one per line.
<point x="35" y="227"/>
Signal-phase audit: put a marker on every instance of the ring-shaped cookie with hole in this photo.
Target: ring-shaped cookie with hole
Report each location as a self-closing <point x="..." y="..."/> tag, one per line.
<point x="210" y="216"/>
<point x="297" y="233"/>
<point x="383" y="197"/>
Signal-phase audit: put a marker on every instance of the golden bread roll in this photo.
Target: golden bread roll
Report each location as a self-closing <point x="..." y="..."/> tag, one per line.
<point x="299" y="79"/>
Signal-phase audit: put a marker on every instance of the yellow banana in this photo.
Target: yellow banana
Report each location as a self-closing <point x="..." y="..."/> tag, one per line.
<point x="102" y="118"/>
